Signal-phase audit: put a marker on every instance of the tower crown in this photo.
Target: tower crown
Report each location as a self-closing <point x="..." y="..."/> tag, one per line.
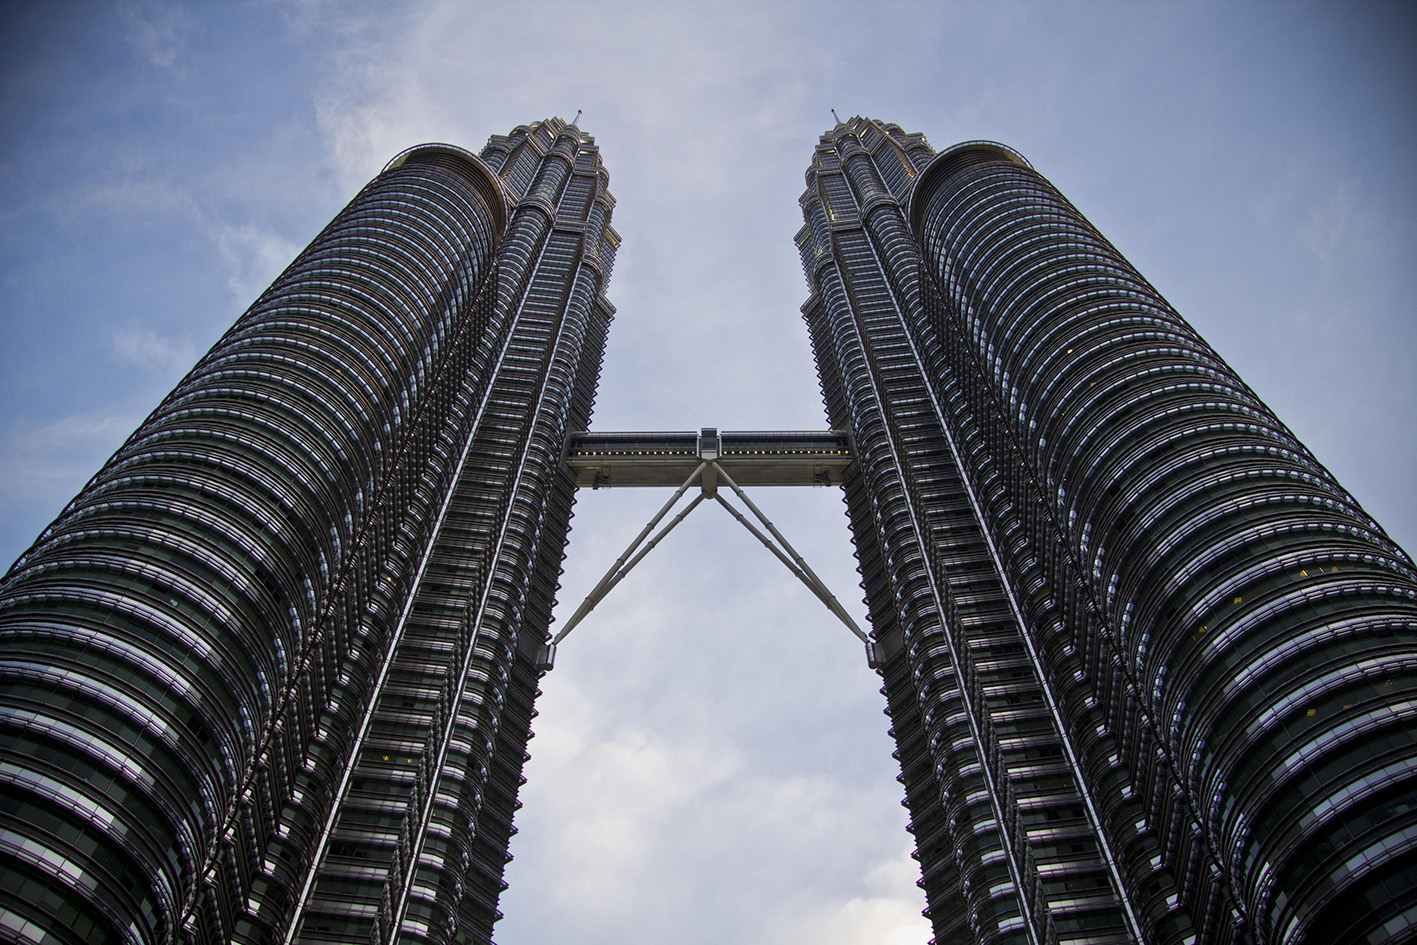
<point x="468" y="164"/>
<point x="952" y="159"/>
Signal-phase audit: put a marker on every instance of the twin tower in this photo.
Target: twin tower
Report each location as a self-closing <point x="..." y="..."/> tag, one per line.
<point x="1151" y="672"/>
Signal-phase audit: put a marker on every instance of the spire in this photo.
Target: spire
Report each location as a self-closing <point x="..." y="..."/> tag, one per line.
<point x="834" y="115"/>
<point x="576" y="121"/>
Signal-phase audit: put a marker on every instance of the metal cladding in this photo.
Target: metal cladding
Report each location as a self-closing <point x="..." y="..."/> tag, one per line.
<point x="759" y="458"/>
<point x="1151" y="670"/>
<point x="266" y="679"/>
<point x="269" y="678"/>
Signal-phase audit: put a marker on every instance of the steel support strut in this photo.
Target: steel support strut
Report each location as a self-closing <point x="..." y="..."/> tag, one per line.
<point x="615" y="574"/>
<point x="707" y="474"/>
<point x="796" y="564"/>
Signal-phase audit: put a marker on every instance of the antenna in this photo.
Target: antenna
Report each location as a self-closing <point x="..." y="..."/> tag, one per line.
<point x="575" y="121"/>
<point x="834" y="115"/>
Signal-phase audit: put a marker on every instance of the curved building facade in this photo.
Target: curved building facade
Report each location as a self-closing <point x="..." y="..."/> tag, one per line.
<point x="1150" y="668"/>
<point x="268" y="678"/>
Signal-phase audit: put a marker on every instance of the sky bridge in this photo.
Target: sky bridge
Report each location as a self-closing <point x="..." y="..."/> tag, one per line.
<point x="706" y="459"/>
<point x="758" y="458"/>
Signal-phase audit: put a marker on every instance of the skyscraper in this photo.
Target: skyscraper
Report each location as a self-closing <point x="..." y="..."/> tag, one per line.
<point x="1149" y="667"/>
<point x="269" y="677"/>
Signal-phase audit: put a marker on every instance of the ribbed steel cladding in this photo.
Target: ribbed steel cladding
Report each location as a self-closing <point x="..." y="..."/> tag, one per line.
<point x="1058" y="634"/>
<point x="1052" y="643"/>
<point x="171" y="638"/>
<point x="569" y="370"/>
<point x="876" y="511"/>
<point x="1057" y="781"/>
<point x="1253" y="635"/>
<point x="863" y="322"/>
<point x="473" y="680"/>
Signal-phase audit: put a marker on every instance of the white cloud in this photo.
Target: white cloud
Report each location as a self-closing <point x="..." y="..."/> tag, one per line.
<point x="1330" y="228"/>
<point x="628" y="782"/>
<point x="254" y="253"/>
<point x="32" y="457"/>
<point x="133" y="196"/>
<point x="883" y="916"/>
<point x="147" y="349"/>
<point x="43" y="465"/>
<point x="873" y="921"/>
<point x="159" y="29"/>
<point x="254" y="256"/>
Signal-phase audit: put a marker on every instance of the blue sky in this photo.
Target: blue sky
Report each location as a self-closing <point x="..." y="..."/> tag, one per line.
<point x="711" y="762"/>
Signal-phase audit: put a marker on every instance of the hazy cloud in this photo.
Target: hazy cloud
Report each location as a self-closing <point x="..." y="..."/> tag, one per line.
<point x="882" y="917"/>
<point x="147" y="349"/>
<point x="159" y="29"/>
<point x="629" y="782"/>
<point x="254" y="256"/>
<point x="128" y="196"/>
<point x="43" y="465"/>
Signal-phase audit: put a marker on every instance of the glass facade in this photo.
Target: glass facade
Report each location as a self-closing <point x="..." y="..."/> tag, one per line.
<point x="269" y="677"/>
<point x="1149" y="667"/>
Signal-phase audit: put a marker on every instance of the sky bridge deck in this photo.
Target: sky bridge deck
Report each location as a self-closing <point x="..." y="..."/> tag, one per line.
<point x="752" y="458"/>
